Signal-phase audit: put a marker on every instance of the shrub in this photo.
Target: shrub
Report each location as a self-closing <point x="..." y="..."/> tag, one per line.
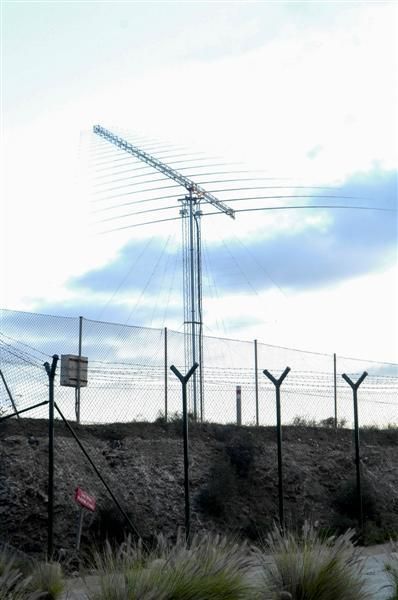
<point x="309" y="567"/>
<point x="26" y="580"/>
<point x="303" y="422"/>
<point x="221" y="486"/>
<point x="209" y="568"/>
<point x="108" y="524"/>
<point x="346" y="500"/>
<point x="241" y="456"/>
<point x="47" y="578"/>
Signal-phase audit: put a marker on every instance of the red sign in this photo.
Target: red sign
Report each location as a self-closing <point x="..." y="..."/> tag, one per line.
<point x="84" y="499"/>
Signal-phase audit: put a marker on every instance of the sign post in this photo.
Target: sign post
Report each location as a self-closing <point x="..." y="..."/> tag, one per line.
<point x="85" y="501"/>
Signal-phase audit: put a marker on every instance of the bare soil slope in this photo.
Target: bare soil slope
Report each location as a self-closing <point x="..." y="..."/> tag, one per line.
<point x="233" y="479"/>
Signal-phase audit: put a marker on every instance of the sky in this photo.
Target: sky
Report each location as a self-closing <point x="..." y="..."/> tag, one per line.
<point x="305" y="92"/>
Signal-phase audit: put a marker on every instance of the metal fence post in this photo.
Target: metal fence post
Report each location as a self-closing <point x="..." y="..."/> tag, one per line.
<point x="355" y="387"/>
<point x="277" y="383"/>
<point x="335" y="389"/>
<point x="184" y="380"/>
<point x="256" y="379"/>
<point x="77" y="389"/>
<point x="50" y="525"/>
<point x="165" y="376"/>
<point x="238" y="405"/>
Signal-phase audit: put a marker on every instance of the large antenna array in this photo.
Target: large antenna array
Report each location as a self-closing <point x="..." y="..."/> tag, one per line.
<point x="192" y="264"/>
<point x="125" y="179"/>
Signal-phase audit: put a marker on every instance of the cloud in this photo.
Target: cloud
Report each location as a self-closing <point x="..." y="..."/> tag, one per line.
<point x="346" y="244"/>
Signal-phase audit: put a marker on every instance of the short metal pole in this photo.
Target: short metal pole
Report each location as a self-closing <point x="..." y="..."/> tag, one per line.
<point x="238" y="405"/>
<point x="184" y="380"/>
<point x="256" y="380"/>
<point x="355" y="387"/>
<point x="9" y="394"/>
<point x="277" y="383"/>
<point x="50" y="525"/>
<point x="335" y="389"/>
<point x="165" y="376"/>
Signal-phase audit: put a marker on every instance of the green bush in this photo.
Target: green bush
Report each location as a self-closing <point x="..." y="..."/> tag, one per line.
<point x="309" y="567"/>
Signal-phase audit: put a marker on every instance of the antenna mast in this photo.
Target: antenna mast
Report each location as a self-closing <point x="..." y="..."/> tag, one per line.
<point x="192" y="260"/>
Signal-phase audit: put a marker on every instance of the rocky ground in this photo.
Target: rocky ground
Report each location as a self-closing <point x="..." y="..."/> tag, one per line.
<point x="233" y="480"/>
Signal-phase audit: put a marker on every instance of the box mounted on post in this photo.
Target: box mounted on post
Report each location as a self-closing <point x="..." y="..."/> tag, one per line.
<point x="74" y="370"/>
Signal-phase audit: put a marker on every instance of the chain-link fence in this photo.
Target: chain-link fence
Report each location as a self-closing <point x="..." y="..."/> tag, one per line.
<point x="129" y="377"/>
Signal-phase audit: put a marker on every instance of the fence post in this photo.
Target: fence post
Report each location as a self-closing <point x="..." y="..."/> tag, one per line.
<point x="256" y="379"/>
<point x="50" y="525"/>
<point x="355" y="387"/>
<point x="238" y="405"/>
<point x="277" y="383"/>
<point x="77" y="389"/>
<point x="335" y="389"/>
<point x="184" y="380"/>
<point x="165" y="376"/>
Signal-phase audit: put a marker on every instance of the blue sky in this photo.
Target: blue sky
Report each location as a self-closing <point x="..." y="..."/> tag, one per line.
<point x="300" y="90"/>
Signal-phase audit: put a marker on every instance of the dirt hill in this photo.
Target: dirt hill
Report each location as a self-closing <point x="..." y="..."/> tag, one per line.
<point x="233" y="480"/>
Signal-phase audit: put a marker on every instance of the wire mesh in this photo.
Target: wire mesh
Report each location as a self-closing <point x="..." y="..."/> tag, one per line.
<point x="130" y="380"/>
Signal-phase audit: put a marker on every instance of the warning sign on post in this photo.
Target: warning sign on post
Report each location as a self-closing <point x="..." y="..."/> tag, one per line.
<point x="84" y="499"/>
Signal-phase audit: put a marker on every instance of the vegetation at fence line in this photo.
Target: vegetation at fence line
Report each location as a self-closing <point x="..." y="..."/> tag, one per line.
<point x="289" y="565"/>
<point x="309" y="566"/>
<point x="175" y="418"/>
<point x="210" y="567"/>
<point x="29" y="580"/>
<point x="328" y="423"/>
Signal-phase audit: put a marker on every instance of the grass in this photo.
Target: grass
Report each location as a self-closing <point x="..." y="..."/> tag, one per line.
<point x="286" y="566"/>
<point x="28" y="580"/>
<point x="211" y="567"/>
<point x="311" y="567"/>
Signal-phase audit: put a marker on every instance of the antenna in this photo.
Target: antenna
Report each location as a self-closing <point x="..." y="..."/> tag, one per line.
<point x="190" y="213"/>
